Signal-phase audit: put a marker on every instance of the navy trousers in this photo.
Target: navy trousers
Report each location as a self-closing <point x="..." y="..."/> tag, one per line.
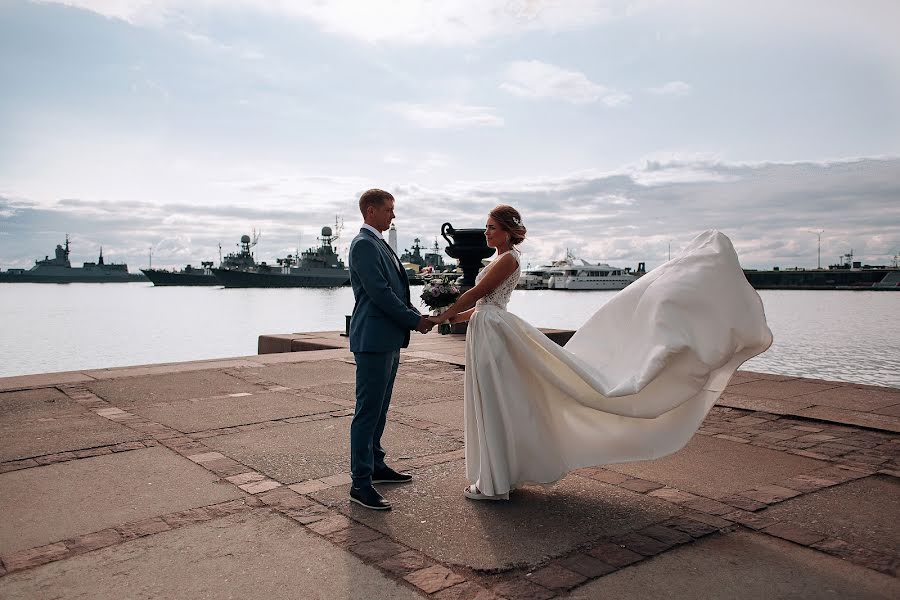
<point x="375" y="374"/>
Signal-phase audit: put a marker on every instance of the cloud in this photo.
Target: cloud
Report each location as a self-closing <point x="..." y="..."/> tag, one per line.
<point x="451" y="116"/>
<point x="418" y="164"/>
<point x="672" y="88"/>
<point x="622" y="217"/>
<point x="449" y="22"/>
<point x="536" y="79"/>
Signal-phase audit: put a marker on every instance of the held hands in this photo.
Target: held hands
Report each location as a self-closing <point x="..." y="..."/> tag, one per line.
<point x="437" y="320"/>
<point x="425" y="325"/>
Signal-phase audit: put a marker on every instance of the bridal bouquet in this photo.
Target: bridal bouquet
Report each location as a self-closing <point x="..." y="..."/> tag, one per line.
<point x="439" y="293"/>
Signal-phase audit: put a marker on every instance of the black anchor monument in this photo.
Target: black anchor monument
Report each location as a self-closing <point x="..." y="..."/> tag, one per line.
<point x="469" y="247"/>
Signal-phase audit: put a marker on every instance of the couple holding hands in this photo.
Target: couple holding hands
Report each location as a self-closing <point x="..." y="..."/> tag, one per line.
<point x="633" y="383"/>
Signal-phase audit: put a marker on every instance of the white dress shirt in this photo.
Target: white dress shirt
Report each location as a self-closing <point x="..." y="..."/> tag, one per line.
<point x="372" y="229"/>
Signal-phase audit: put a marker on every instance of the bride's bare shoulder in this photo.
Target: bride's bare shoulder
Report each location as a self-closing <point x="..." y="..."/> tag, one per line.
<point x="506" y="263"/>
<point x="511" y="257"/>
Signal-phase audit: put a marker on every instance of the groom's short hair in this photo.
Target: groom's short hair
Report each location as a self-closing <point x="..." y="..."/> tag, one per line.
<point x="373" y="197"/>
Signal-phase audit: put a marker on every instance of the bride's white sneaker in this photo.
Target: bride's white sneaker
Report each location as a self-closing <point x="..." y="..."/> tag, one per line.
<point x="473" y="493"/>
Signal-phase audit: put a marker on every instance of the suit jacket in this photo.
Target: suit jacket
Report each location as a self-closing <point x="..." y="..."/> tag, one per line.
<point x="383" y="315"/>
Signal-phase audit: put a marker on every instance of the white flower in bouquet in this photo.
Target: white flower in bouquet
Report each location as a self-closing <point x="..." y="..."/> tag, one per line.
<point x="438" y="293"/>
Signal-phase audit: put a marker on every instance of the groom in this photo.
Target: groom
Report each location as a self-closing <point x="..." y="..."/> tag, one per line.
<point x="382" y="319"/>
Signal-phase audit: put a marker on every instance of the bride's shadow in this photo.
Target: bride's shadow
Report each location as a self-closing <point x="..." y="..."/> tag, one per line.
<point x="538" y="522"/>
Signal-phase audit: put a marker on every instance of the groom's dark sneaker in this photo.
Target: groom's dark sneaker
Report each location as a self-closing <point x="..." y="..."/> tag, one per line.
<point x="369" y="497"/>
<point x="388" y="475"/>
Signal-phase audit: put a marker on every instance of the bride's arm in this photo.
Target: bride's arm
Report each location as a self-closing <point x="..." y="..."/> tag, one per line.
<point x="496" y="274"/>
<point x="463" y="316"/>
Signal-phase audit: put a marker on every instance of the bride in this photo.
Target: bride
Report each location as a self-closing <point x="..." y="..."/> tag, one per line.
<point x="634" y="382"/>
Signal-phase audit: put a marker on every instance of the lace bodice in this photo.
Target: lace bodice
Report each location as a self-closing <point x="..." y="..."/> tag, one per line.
<point x="500" y="295"/>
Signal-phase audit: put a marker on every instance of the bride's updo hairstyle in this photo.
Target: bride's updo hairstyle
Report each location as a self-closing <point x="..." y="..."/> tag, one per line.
<point x="511" y="221"/>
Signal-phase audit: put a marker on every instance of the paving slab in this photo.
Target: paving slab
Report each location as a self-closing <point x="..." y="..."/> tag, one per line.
<point x="33" y="404"/>
<point x="200" y="414"/>
<point x="251" y="555"/>
<point x="853" y="398"/>
<point x="865" y="512"/>
<point x="852" y="417"/>
<point x="407" y="388"/>
<point x="716" y="468"/>
<point x="431" y="515"/>
<point x="892" y="410"/>
<point x="260" y="360"/>
<point x="743" y="566"/>
<point x="428" y="371"/>
<point x="745" y="376"/>
<point x="776" y="407"/>
<point x="454" y="359"/>
<point x="42" y="380"/>
<point x="774" y="376"/>
<point x="306" y="374"/>
<point x="47" y="504"/>
<point x="46" y="421"/>
<point x="294" y="453"/>
<point x="169" y="368"/>
<point x="152" y="389"/>
<point x="449" y="413"/>
<point x="778" y="390"/>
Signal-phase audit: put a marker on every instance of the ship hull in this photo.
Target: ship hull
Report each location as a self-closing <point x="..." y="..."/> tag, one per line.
<point x="27" y="277"/>
<point x="169" y="278"/>
<point x="832" y="279"/>
<point x="576" y="284"/>
<point x="322" y="278"/>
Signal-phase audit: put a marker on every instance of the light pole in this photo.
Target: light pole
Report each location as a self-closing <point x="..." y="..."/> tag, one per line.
<point x="818" y="234"/>
<point x="150" y="266"/>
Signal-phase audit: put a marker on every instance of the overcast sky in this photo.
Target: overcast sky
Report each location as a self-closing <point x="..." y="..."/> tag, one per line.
<point x="616" y="127"/>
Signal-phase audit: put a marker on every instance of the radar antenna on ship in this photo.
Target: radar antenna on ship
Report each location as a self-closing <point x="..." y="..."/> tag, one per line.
<point x="338" y="228"/>
<point x="255" y="239"/>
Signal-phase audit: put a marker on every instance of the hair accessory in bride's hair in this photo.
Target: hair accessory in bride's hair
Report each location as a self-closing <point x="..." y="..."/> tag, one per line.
<point x="518" y="222"/>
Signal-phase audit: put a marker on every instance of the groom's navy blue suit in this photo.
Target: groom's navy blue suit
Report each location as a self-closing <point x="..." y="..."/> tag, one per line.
<point x="383" y="317"/>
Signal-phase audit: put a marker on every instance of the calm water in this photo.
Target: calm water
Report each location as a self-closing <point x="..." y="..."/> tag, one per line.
<point x="847" y="336"/>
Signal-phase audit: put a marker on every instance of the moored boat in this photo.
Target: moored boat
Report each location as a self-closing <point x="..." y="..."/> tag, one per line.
<point x="316" y="267"/>
<point x="188" y="276"/>
<point x="60" y="270"/>
<point x="579" y="274"/>
<point x="241" y="260"/>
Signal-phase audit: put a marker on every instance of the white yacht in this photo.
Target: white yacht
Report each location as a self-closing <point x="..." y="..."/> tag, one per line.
<point x="568" y="274"/>
<point x="587" y="276"/>
<point x="537" y="278"/>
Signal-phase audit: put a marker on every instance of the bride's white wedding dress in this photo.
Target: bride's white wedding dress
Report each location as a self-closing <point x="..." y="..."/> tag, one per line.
<point x="633" y="383"/>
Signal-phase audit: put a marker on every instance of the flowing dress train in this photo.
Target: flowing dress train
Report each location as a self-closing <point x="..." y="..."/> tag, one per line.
<point x="634" y="382"/>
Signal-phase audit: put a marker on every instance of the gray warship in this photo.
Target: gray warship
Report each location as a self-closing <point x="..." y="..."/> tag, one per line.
<point x="59" y="270"/>
<point x="432" y="262"/>
<point x="316" y="267"/>
<point x="192" y="276"/>
<point x="847" y="274"/>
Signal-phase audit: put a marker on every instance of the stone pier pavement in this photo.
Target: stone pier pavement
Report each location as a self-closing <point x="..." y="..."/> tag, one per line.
<point x="228" y="479"/>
